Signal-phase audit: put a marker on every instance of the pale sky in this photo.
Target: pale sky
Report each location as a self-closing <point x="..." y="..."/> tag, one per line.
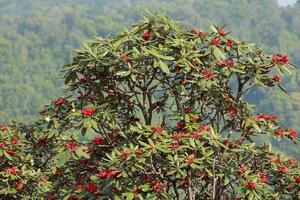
<point x="286" y="2"/>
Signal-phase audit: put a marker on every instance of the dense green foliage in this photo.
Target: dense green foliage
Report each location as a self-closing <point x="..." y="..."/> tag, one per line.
<point x="157" y="112"/>
<point x="37" y="37"/>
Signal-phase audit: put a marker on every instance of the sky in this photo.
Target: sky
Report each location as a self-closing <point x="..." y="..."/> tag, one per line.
<point x="286" y="2"/>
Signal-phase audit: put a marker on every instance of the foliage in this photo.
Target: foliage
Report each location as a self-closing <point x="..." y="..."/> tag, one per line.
<point x="160" y="114"/>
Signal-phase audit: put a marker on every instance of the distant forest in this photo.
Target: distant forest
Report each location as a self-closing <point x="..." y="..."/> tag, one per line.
<point x="38" y="36"/>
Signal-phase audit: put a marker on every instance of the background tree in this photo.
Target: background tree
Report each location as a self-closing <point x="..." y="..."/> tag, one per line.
<point x="158" y="112"/>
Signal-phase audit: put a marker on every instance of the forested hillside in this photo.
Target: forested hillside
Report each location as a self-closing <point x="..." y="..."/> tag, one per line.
<point x="37" y="37"/>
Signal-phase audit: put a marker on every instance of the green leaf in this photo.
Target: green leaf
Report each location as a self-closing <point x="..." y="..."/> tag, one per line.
<point x="164" y="67"/>
<point x="219" y="55"/>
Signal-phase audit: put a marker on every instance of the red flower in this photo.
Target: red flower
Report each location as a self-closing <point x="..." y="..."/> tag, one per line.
<point x="274" y="159"/>
<point x="215" y="41"/>
<point x="283" y="168"/>
<point x="221" y="32"/>
<point x="156" y="130"/>
<point x="232" y="111"/>
<point x="182" y="182"/>
<point x="91" y="187"/>
<point x="177" y="68"/>
<point x="201" y="34"/>
<point x="97" y="140"/>
<point x="87" y="112"/>
<point x="229" y="63"/>
<point x="124" y="154"/>
<point x="42" y="142"/>
<point x="103" y="174"/>
<point x="278" y="132"/>
<point x="280" y="59"/>
<point x="157" y="185"/>
<point x="60" y="101"/>
<point x="19" y="185"/>
<point x="84" y="79"/>
<point x="203" y="127"/>
<point x="3" y="127"/>
<point x="13" y="141"/>
<point x="190" y="159"/>
<point x="176" y="137"/>
<point x="42" y="111"/>
<point x="10" y="152"/>
<point x="297" y="180"/>
<point x="112" y="173"/>
<point x="146" y="35"/>
<point x="207" y="74"/>
<point x="2" y="144"/>
<point x="292" y="133"/>
<point x="138" y="152"/>
<point x="194" y="31"/>
<point x="71" y="145"/>
<point x="276" y="78"/>
<point x="126" y="59"/>
<point x="241" y="170"/>
<point x="250" y="185"/>
<point x="12" y="170"/>
<point x="292" y="161"/>
<point x="228" y="42"/>
<point x="263" y="177"/>
<point x="174" y="145"/>
<point x="180" y="126"/>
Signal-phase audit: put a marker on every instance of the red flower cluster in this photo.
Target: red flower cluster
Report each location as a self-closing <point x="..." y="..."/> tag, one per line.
<point x="138" y="152"/>
<point x="71" y="145"/>
<point x="97" y="140"/>
<point x="146" y="35"/>
<point x="276" y="78"/>
<point x="263" y="177"/>
<point x="215" y="41"/>
<point x="283" y="168"/>
<point x="42" y="111"/>
<point x="266" y="117"/>
<point x="297" y="180"/>
<point x="3" y="127"/>
<point x="221" y="32"/>
<point x="180" y="126"/>
<point x="190" y="159"/>
<point x="14" y="141"/>
<point x="241" y="170"/>
<point x="274" y="159"/>
<point x="195" y="135"/>
<point x="203" y="127"/>
<point x="292" y="133"/>
<point x="232" y="111"/>
<point x="87" y="112"/>
<point x="229" y="63"/>
<point x="156" y="130"/>
<point x="157" y="185"/>
<point x="10" y="152"/>
<point x="250" y="185"/>
<point x="84" y="79"/>
<point x="278" y="132"/>
<point x="91" y="187"/>
<point x="19" y="185"/>
<point x="60" y="101"/>
<point x="12" y="170"/>
<point x="207" y="74"/>
<point x="292" y="161"/>
<point x="177" y="137"/>
<point x="2" y="144"/>
<point x="126" y="59"/>
<point x="228" y="42"/>
<point x="104" y="174"/>
<point x="280" y="59"/>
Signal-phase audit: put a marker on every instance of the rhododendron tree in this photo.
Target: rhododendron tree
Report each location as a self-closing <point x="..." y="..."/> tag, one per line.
<point x="157" y="112"/>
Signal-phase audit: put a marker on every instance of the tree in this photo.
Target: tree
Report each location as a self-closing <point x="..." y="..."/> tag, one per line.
<point x="159" y="114"/>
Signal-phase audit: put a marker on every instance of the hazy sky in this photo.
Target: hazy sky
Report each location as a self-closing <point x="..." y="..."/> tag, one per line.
<point x="286" y="2"/>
